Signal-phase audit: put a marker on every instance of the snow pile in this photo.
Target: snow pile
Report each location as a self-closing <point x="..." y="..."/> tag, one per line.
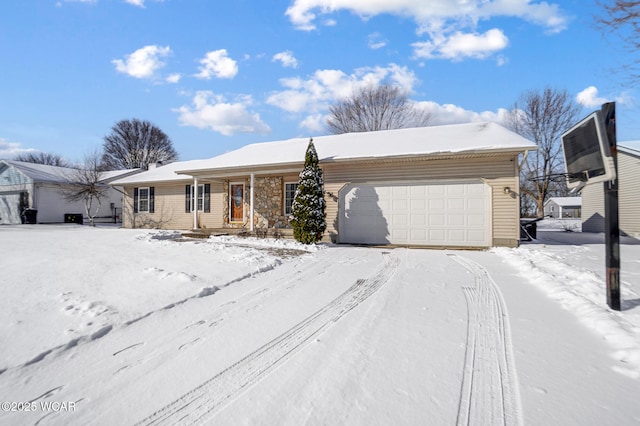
<point x="574" y="276"/>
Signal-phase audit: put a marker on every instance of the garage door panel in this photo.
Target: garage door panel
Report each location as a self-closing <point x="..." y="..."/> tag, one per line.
<point x="435" y="189"/>
<point x="455" y="220"/>
<point x="420" y="213"/>
<point x="456" y="236"/>
<point x="418" y="219"/>
<point x="476" y="220"/>
<point x="476" y="236"/>
<point x="455" y="204"/>
<point x="437" y="220"/>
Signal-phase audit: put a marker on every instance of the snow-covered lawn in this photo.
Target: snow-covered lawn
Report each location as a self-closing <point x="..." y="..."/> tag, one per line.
<point x="117" y="326"/>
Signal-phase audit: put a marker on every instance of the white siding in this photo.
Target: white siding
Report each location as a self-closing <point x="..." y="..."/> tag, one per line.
<point x="628" y="199"/>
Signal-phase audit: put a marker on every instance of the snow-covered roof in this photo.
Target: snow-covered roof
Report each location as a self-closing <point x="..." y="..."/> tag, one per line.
<point x="42" y="172"/>
<point x="114" y="174"/>
<point x="160" y="174"/>
<point x="565" y="201"/>
<point x="457" y="138"/>
<point x="55" y="174"/>
<point x="630" y="147"/>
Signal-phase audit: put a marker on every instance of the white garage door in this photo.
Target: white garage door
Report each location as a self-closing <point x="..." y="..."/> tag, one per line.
<point x="444" y="213"/>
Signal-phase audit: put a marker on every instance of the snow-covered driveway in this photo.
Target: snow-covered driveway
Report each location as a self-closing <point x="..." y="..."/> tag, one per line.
<point x="229" y="331"/>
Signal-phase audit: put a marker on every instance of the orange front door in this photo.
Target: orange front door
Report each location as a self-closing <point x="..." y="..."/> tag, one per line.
<point x="236" y="191"/>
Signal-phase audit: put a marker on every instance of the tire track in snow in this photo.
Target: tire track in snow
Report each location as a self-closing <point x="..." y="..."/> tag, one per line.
<point x="204" y="401"/>
<point x="489" y="394"/>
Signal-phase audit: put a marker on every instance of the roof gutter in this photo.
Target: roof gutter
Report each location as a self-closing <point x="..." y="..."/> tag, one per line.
<point x="294" y="167"/>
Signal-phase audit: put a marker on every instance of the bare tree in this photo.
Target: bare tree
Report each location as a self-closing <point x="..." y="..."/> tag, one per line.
<point x="43" y="158"/>
<point x="375" y="107"/>
<point x="136" y="143"/>
<point x="542" y="117"/>
<point x="622" y="17"/>
<point x="84" y="185"/>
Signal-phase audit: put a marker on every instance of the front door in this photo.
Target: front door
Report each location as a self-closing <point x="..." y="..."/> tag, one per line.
<point x="236" y="210"/>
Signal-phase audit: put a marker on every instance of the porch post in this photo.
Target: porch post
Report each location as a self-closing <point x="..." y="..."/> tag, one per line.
<point x="194" y="202"/>
<point x="251" y="201"/>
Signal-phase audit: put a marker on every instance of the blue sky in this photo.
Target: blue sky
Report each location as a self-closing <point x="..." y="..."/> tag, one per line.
<point x="217" y="75"/>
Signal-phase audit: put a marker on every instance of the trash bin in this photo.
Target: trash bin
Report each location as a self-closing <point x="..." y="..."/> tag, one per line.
<point x="528" y="229"/>
<point x="29" y="216"/>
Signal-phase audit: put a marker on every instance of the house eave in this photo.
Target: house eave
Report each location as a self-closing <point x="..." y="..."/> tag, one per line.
<point x="287" y="168"/>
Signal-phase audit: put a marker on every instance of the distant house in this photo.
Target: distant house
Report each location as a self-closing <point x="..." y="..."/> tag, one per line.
<point x="563" y="207"/>
<point x="39" y="187"/>
<point x="445" y="186"/>
<point x="628" y="194"/>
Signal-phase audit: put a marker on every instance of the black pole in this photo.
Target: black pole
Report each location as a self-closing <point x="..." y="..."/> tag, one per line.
<point x="612" y="230"/>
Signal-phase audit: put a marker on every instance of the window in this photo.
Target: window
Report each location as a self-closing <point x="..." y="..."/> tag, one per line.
<point x="204" y="198"/>
<point x="143" y="200"/>
<point x="200" y="197"/>
<point x="289" y="194"/>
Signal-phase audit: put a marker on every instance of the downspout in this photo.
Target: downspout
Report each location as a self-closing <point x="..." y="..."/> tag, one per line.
<point x="194" y="202"/>
<point x="251" y="201"/>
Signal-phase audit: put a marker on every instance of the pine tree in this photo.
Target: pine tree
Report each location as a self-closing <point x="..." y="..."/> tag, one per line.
<point x="307" y="211"/>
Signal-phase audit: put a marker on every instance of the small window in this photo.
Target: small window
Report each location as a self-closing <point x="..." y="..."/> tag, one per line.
<point x="289" y="194"/>
<point x="200" y="197"/>
<point x="143" y="200"/>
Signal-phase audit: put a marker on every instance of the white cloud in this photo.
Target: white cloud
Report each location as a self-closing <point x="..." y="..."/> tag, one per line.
<point x="11" y="149"/>
<point x="217" y="64"/>
<point x="314" y="123"/>
<point x="286" y="58"/>
<point x="144" y="62"/>
<point x="302" y="13"/>
<point x="458" y="46"/>
<point x="315" y="93"/>
<point x="589" y="98"/>
<point x="139" y="3"/>
<point x="450" y="26"/>
<point x="173" y="78"/>
<point x="310" y="98"/>
<point x="376" y="41"/>
<point x="454" y="114"/>
<point x="213" y="112"/>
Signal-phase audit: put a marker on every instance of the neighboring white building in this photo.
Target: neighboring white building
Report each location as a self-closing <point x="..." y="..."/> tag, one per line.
<point x="563" y="207"/>
<point x="628" y="194"/>
<point x="37" y="186"/>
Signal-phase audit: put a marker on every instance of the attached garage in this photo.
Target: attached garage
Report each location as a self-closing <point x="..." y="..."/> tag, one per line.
<point x="454" y="214"/>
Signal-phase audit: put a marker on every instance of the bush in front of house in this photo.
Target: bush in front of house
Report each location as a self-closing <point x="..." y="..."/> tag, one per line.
<point x="308" y="208"/>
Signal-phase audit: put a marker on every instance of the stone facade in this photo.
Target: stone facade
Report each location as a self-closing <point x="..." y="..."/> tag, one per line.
<point x="268" y="198"/>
